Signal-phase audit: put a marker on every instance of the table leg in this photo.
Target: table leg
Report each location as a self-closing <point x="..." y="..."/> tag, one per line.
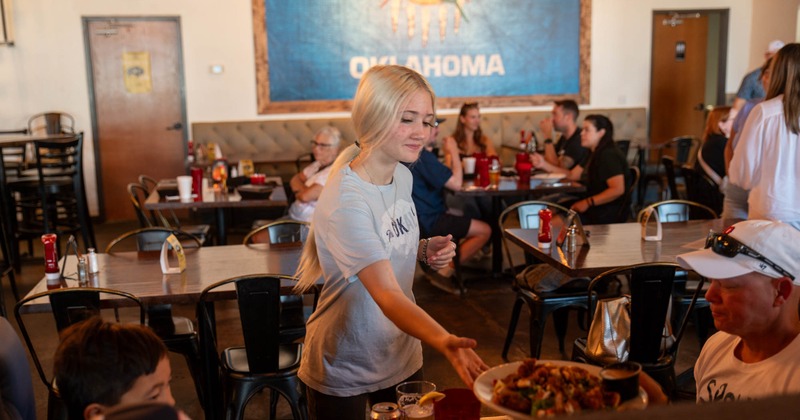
<point x="222" y="234"/>
<point x="497" y="238"/>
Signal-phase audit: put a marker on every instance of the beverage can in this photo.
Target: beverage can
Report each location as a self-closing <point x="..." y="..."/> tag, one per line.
<point x="385" y="411"/>
<point x="545" y="235"/>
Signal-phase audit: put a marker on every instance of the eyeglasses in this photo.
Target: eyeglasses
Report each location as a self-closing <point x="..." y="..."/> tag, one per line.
<point x="727" y="246"/>
<point x="321" y="145"/>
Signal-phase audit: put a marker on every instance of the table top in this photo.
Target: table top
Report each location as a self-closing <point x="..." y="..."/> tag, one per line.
<point x="139" y="273"/>
<point x="618" y="245"/>
<point x="215" y="199"/>
<point x="509" y="186"/>
<point x="14" y="140"/>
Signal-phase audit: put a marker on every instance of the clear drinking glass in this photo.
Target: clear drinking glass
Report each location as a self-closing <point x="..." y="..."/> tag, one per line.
<point x="409" y="393"/>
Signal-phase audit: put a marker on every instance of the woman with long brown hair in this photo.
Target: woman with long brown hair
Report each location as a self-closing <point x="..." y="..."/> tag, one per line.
<point x="468" y="134"/>
<point x="767" y="159"/>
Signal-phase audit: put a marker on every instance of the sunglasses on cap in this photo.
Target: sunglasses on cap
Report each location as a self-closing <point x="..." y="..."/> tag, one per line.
<point x="727" y="246"/>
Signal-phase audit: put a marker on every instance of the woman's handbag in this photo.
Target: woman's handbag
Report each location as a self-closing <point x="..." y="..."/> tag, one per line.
<point x="609" y="334"/>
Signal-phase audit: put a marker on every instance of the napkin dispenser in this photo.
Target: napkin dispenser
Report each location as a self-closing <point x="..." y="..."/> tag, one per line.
<point x="172" y="247"/>
<point x="648" y="214"/>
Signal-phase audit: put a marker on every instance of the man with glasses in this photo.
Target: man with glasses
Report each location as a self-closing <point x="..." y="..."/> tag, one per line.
<point x="307" y="184"/>
<point x="754" y="296"/>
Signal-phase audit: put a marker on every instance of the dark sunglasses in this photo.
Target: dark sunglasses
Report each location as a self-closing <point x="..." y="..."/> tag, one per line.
<point x="727" y="246"/>
<point x="322" y="145"/>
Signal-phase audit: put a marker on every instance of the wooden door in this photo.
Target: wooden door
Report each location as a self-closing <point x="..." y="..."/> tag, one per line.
<point x="678" y="78"/>
<point x="136" y="71"/>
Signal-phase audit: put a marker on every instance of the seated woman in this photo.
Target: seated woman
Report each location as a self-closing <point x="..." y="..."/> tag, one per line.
<point x="307" y="184"/>
<point x="605" y="173"/>
<point x="470" y="140"/>
<point x="468" y="135"/>
<point x="711" y="157"/>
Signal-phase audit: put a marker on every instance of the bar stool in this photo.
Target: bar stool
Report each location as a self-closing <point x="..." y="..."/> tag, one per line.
<point x="55" y="200"/>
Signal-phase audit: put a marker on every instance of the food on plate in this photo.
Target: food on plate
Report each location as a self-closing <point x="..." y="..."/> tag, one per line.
<point x="545" y="389"/>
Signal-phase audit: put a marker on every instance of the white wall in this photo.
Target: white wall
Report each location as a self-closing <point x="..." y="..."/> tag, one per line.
<point x="46" y="69"/>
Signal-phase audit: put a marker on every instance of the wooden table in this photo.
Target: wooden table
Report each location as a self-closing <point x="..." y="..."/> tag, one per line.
<point x="218" y="201"/>
<point x="509" y="187"/>
<point x="618" y="245"/>
<point x="139" y="273"/>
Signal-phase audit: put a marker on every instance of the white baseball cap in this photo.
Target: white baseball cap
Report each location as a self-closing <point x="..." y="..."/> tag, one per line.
<point x="774" y="46"/>
<point x="775" y="241"/>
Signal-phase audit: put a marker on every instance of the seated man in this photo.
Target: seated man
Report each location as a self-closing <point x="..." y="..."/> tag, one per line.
<point x="99" y="365"/>
<point x="307" y="185"/>
<point x="754" y="298"/>
<point x="431" y="177"/>
<point x="568" y="151"/>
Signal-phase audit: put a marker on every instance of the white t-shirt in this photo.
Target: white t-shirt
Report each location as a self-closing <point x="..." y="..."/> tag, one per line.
<point x="767" y="162"/>
<point x="720" y="376"/>
<point x="303" y="211"/>
<point x="351" y="347"/>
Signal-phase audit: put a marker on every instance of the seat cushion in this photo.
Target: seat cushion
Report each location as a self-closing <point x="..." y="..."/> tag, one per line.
<point x="235" y="358"/>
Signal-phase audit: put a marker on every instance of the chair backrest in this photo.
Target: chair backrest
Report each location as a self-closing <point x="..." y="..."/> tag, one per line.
<point x="258" y="298"/>
<point x="279" y="232"/>
<point x="627" y="201"/>
<point x="150" y="239"/>
<point x="525" y="215"/>
<point x="684" y="149"/>
<point x="651" y="287"/>
<point x="679" y="211"/>
<point x="72" y="305"/>
<point x="669" y="171"/>
<point x="138" y="194"/>
<point x="16" y="388"/>
<point x="624" y="146"/>
<point x="59" y="159"/>
<point x="148" y="183"/>
<point x="702" y="189"/>
<point x="51" y="123"/>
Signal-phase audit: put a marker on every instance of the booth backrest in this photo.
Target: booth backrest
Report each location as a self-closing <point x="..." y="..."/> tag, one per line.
<point x="274" y="145"/>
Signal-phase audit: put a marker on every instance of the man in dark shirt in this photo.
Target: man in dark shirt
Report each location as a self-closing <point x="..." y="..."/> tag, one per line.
<point x="431" y="177"/>
<point x="568" y="151"/>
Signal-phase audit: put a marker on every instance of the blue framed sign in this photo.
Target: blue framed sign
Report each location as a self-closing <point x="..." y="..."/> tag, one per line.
<point x="310" y="54"/>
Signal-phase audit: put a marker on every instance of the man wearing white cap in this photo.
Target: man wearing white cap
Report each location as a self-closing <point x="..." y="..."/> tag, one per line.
<point x="754" y="296"/>
<point x="751" y="87"/>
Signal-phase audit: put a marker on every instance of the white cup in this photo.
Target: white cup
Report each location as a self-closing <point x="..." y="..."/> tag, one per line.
<point x="469" y="165"/>
<point x="185" y="187"/>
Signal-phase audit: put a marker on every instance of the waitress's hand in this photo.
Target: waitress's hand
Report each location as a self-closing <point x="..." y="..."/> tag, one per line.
<point x="466" y="362"/>
<point x="441" y="250"/>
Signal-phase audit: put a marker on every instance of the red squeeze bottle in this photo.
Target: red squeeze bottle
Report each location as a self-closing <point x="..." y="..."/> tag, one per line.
<point x="51" y="272"/>
<point x="545" y="235"/>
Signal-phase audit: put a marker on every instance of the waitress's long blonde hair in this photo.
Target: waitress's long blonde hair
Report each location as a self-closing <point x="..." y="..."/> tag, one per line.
<point x="380" y="96"/>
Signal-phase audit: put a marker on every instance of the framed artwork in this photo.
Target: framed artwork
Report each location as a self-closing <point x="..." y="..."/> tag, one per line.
<point x="310" y="54"/>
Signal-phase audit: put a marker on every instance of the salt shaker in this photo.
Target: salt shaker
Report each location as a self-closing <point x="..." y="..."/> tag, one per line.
<point x="91" y="257"/>
<point x="572" y="240"/>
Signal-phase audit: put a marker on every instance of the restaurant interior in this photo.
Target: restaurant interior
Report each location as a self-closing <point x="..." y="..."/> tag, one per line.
<point x="121" y="99"/>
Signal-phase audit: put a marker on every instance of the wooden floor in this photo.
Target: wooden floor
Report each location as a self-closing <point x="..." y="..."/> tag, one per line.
<point x="482" y="314"/>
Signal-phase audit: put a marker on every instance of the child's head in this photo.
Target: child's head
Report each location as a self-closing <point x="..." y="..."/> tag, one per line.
<point x="100" y="364"/>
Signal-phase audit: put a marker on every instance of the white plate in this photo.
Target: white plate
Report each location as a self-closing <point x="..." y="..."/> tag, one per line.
<point x="549" y="178"/>
<point x="484" y="385"/>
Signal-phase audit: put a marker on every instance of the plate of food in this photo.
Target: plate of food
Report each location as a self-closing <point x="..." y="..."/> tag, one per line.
<point x="543" y="388"/>
<point x="549" y="178"/>
<point x="255" y="192"/>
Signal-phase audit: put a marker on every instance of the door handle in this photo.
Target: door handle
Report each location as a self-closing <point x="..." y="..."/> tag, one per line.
<point x="700" y="107"/>
<point x="176" y="126"/>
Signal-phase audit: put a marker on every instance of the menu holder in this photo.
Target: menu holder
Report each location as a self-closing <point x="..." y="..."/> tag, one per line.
<point x="172" y="246"/>
<point x="581" y="239"/>
<point x="648" y="214"/>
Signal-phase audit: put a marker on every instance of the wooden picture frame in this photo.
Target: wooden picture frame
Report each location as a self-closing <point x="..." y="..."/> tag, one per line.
<point x="267" y="106"/>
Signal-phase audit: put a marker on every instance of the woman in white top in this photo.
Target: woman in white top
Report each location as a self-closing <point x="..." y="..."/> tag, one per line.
<point x="364" y="337"/>
<point x="767" y="159"/>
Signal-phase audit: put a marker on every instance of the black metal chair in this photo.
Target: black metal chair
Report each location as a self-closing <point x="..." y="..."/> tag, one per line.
<point x="55" y="200"/>
<point x="624" y="146"/>
<point x="525" y="214"/>
<point x="6" y="269"/>
<point x="177" y="332"/>
<point x="262" y="361"/>
<point x="702" y="189"/>
<point x="627" y="202"/>
<point x="651" y="287"/>
<point x="69" y="306"/>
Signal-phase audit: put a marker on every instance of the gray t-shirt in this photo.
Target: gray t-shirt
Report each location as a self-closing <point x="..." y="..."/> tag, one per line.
<point x="351" y="348"/>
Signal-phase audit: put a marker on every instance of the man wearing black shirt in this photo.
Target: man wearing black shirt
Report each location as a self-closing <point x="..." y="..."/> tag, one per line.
<point x="568" y="151"/>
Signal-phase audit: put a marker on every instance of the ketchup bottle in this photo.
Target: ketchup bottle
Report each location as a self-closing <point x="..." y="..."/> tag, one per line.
<point x="51" y="272"/>
<point x="545" y="235"/>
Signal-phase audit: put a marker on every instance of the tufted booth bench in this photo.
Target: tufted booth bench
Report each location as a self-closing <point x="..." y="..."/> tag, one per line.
<point x="275" y="145"/>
